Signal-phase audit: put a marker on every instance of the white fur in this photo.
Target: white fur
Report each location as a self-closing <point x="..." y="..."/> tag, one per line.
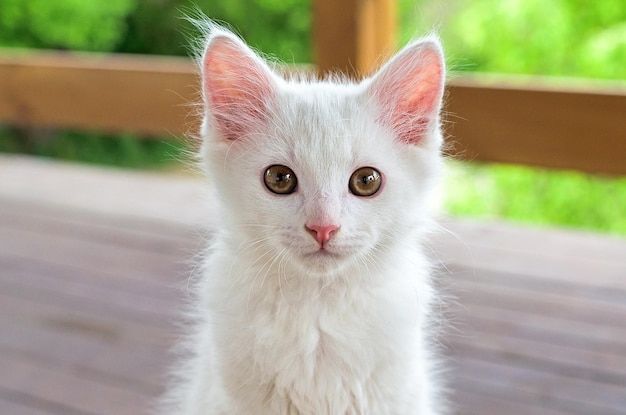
<point x="279" y="329"/>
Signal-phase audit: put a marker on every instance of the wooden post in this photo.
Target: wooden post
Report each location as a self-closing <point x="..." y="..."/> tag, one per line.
<point x="353" y="36"/>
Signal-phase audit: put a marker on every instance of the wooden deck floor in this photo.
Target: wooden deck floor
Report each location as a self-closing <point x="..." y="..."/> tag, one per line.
<point x="90" y="260"/>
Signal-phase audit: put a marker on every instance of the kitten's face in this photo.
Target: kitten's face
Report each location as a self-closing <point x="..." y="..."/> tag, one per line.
<point x="318" y="176"/>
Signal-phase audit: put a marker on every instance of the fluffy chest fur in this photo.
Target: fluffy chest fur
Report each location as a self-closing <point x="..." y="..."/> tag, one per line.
<point x="293" y="345"/>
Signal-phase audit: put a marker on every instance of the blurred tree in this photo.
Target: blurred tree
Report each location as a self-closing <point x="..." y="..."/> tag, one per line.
<point x="64" y="24"/>
<point x="279" y="27"/>
<point x="557" y="37"/>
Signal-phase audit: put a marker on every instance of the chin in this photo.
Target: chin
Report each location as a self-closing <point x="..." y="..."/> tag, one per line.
<point x="323" y="263"/>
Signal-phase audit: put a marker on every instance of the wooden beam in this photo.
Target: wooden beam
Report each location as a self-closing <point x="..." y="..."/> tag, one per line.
<point x="112" y="93"/>
<point x="488" y="119"/>
<point x="539" y="122"/>
<point x="353" y="36"/>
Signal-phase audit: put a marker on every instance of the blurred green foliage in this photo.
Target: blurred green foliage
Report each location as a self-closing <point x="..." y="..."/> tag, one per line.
<point x="556" y="37"/>
<point x="279" y="27"/>
<point x="121" y="150"/>
<point x="64" y="24"/>
<point x="526" y="194"/>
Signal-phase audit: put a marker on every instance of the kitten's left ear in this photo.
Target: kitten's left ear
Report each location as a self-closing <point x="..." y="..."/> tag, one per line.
<point x="409" y="89"/>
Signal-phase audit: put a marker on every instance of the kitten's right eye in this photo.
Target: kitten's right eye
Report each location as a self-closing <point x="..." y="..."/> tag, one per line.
<point x="280" y="179"/>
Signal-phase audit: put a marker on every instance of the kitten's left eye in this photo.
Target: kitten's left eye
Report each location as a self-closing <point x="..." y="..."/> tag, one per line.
<point x="280" y="179"/>
<point x="366" y="181"/>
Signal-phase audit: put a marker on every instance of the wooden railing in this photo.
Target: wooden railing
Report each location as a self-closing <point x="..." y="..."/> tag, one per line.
<point x="487" y="119"/>
<point x="147" y="95"/>
<point x="537" y="121"/>
<point x="496" y="119"/>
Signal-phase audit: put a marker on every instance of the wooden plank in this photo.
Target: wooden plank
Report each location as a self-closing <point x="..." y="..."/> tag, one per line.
<point x="14" y="402"/>
<point x="553" y="391"/>
<point x="591" y="346"/>
<point x="172" y="242"/>
<point x="149" y="95"/>
<point x="13" y="405"/>
<point x="45" y="287"/>
<point x="353" y="36"/>
<point x="548" y="329"/>
<point x="532" y="122"/>
<point x="461" y="236"/>
<point x="559" y="338"/>
<point x="100" y="279"/>
<point x="62" y="387"/>
<point x="597" y="366"/>
<point x="129" y="364"/>
<point x="27" y="309"/>
<point x="152" y="267"/>
<point x="70" y="188"/>
<point x="99" y="337"/>
<point x="472" y="403"/>
<point x="61" y="274"/>
<point x="541" y="255"/>
<point x="65" y="316"/>
<point x="563" y="300"/>
<point x="86" y="354"/>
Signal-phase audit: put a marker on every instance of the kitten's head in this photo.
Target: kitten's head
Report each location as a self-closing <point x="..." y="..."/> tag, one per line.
<point x="321" y="175"/>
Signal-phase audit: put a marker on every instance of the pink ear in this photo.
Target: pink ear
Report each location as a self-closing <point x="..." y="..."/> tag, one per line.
<point x="237" y="86"/>
<point x="409" y="90"/>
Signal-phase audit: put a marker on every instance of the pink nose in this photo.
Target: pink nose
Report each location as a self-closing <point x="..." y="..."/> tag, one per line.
<point x="322" y="233"/>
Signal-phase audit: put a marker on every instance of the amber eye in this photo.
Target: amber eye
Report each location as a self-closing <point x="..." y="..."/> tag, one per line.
<point x="280" y="179"/>
<point x="365" y="181"/>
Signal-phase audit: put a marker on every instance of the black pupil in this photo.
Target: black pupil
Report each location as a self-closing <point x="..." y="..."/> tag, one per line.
<point x="368" y="179"/>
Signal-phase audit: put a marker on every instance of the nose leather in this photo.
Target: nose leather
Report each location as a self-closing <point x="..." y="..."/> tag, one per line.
<point x="322" y="233"/>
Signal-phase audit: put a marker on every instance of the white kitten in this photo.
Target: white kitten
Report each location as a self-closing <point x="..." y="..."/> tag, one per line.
<point x="315" y="296"/>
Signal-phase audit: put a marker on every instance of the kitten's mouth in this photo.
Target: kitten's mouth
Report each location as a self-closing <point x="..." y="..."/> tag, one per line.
<point x="324" y="262"/>
<point x="323" y="253"/>
<point x="324" y="257"/>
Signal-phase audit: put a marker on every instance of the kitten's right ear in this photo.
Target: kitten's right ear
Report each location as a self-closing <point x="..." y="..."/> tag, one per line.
<point x="237" y="85"/>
